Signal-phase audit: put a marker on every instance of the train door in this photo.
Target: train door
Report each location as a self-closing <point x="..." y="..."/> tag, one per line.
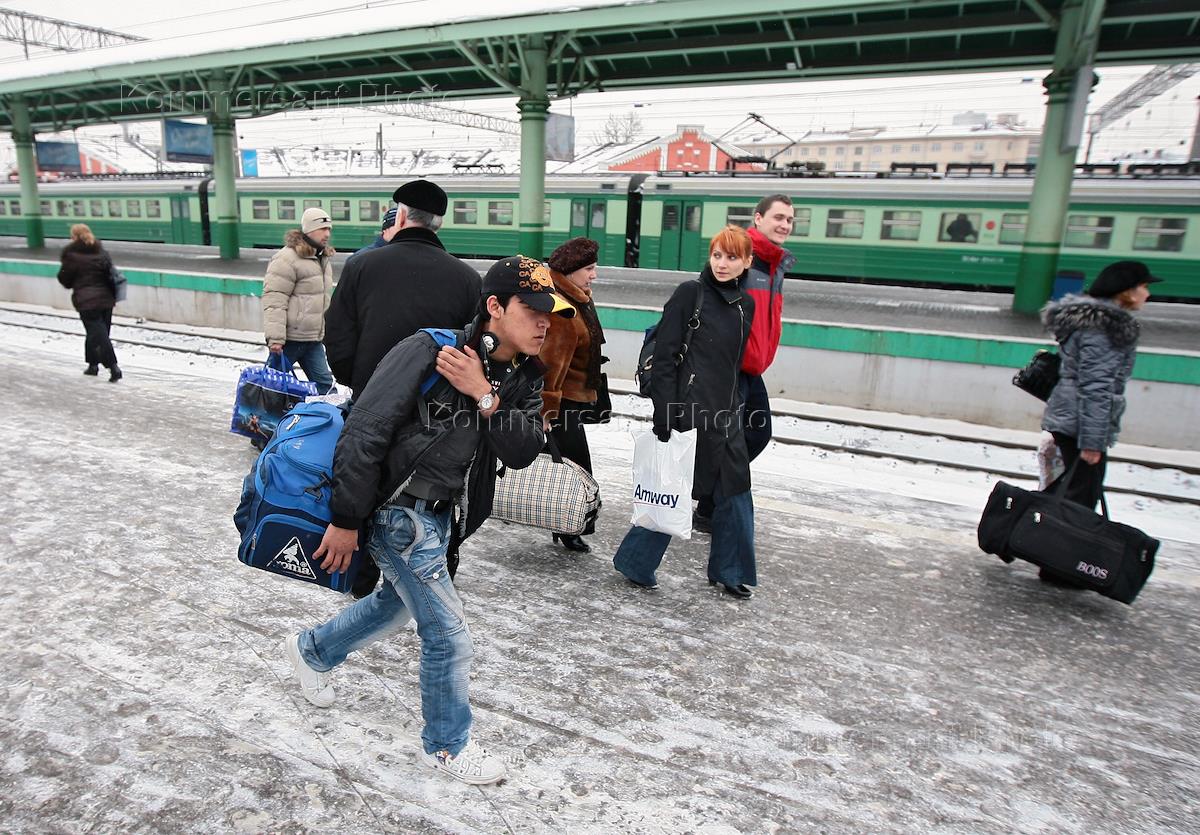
<point x="589" y="219"/>
<point x="680" y="244"/>
<point x="180" y="218"/>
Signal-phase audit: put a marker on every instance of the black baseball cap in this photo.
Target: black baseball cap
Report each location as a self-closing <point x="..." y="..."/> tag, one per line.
<point x="529" y="280"/>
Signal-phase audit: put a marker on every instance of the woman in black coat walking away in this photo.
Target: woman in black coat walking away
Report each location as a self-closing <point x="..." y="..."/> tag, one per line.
<point x="701" y="393"/>
<point x="87" y="272"/>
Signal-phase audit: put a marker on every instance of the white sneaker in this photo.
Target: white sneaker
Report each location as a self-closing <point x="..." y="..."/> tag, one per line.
<point x="473" y="764"/>
<point x="315" y="686"/>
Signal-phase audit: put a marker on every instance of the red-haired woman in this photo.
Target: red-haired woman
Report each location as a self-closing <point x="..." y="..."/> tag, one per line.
<point x="701" y="392"/>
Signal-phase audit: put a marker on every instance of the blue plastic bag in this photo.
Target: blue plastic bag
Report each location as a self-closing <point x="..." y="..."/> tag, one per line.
<point x="264" y="395"/>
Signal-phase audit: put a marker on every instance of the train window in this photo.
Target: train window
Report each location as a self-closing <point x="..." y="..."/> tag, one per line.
<point x="96" y="208"/>
<point x="3" y="208"/>
<point x="1089" y="231"/>
<point x="546" y="213"/>
<point x="153" y="208"/>
<point x="960" y="227"/>
<point x="803" y="222"/>
<point x="844" y="223"/>
<point x="691" y="219"/>
<point x="64" y="208"/>
<point x="312" y="204"/>
<point x="46" y="210"/>
<point x="77" y="208"/>
<point x="670" y="217"/>
<point x="14" y="207"/>
<point x="133" y="208"/>
<point x="741" y="216"/>
<point x="500" y="213"/>
<point x="1012" y="229"/>
<point x="286" y="209"/>
<point x="901" y="226"/>
<point x="114" y="208"/>
<point x="368" y="210"/>
<point x="261" y="209"/>
<point x="339" y="209"/>
<point x="579" y="213"/>
<point x="599" y="211"/>
<point x="466" y="211"/>
<point x="1164" y="234"/>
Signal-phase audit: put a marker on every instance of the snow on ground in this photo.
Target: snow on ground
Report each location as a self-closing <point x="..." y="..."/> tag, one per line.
<point x="887" y="676"/>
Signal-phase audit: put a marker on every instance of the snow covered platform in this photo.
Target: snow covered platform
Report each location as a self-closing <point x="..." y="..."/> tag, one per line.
<point x="887" y="675"/>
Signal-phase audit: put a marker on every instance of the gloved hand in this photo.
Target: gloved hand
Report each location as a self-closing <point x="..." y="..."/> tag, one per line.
<point x="663" y="433"/>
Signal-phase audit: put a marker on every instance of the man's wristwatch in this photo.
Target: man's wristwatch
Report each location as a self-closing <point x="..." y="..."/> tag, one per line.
<point x="487" y="401"/>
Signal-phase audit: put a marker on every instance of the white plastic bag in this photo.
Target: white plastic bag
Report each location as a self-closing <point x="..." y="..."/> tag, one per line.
<point x="662" y="482"/>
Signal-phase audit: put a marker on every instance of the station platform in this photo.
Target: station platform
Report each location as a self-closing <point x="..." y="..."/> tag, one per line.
<point x="886" y="677"/>
<point x="1168" y="326"/>
<point x="928" y="353"/>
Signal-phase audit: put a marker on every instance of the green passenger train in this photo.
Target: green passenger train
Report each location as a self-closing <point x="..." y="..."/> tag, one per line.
<point x="959" y="232"/>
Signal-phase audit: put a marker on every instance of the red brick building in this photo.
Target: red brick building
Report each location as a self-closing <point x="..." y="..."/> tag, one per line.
<point x="688" y="149"/>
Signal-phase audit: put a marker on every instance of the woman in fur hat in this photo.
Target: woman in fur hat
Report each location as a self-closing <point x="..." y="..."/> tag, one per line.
<point x="1097" y="336"/>
<point x="572" y="358"/>
<point x="87" y="272"/>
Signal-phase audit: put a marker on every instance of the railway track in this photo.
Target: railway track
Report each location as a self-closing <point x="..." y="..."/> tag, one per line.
<point x="880" y="442"/>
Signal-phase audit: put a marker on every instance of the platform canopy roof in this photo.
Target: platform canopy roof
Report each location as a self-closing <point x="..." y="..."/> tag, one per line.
<point x="396" y="53"/>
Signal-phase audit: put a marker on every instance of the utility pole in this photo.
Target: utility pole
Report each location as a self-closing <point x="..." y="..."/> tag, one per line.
<point x="1195" y="154"/>
<point x="379" y="148"/>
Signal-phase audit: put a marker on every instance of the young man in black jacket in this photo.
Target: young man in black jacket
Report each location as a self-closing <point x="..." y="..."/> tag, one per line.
<point x="407" y="467"/>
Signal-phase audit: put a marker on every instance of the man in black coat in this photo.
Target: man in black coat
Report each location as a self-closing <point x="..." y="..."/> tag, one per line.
<point x="387" y="294"/>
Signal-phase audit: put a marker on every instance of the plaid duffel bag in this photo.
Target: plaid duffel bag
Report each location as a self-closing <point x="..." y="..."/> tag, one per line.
<point x="551" y="493"/>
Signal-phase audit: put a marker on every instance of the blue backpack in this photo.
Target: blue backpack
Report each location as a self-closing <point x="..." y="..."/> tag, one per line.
<point x="284" y="508"/>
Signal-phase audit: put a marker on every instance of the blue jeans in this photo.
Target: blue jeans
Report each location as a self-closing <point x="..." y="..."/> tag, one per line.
<point x="311" y="357"/>
<point x="730" y="554"/>
<point x="409" y="546"/>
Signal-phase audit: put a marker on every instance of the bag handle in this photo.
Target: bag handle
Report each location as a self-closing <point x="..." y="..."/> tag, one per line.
<point x="284" y="365"/>
<point x="552" y="448"/>
<point x="1059" y="493"/>
<point x="693" y="324"/>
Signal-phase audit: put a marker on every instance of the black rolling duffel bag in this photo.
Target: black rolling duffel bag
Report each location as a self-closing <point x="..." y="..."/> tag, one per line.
<point x="1068" y="539"/>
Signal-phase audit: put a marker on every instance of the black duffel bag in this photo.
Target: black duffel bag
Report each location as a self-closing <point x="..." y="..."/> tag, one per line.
<point x="1068" y="539"/>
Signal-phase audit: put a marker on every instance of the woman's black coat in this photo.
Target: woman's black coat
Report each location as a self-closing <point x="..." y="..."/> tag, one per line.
<point x="702" y="392"/>
<point x="87" y="272"/>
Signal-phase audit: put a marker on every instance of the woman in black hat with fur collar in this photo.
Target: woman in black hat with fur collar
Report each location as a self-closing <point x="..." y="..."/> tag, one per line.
<point x="1097" y="336"/>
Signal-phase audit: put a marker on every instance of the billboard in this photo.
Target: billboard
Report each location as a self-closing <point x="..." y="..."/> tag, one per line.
<point x="187" y="141"/>
<point x="249" y="162"/>
<point x="560" y="137"/>
<point x="58" y="156"/>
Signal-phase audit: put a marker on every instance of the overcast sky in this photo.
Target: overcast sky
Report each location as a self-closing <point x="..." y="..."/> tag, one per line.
<point x="1166" y="123"/>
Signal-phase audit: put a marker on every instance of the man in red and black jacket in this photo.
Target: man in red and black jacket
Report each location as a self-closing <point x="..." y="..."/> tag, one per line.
<point x="773" y="217"/>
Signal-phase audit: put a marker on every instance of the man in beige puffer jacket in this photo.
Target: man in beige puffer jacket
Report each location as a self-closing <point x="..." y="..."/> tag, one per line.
<point x="296" y="293"/>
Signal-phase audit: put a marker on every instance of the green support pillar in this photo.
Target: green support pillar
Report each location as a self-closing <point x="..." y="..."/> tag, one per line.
<point x="533" y="105"/>
<point x="224" y="169"/>
<point x="31" y="206"/>
<point x="1073" y="53"/>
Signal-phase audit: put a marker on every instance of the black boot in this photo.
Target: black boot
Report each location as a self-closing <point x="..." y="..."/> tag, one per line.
<point x="741" y="592"/>
<point x="572" y="542"/>
<point x="92" y="370"/>
<point x="114" y="374"/>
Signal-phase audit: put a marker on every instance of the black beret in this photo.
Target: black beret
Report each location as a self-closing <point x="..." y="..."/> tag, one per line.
<point x="575" y="253"/>
<point x="423" y="195"/>
<point x="1119" y="277"/>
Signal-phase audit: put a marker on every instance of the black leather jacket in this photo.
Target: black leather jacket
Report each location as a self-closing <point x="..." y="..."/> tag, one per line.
<point x="390" y="427"/>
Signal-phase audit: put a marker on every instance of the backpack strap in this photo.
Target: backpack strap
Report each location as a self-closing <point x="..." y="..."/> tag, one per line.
<point x="443" y="337"/>
<point x="693" y="324"/>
